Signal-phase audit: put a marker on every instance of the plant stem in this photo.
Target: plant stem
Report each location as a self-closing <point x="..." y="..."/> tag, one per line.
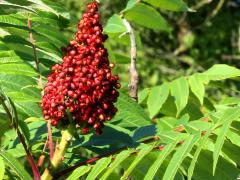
<point x="50" y="141"/>
<point x="29" y="155"/>
<point x="58" y="155"/>
<point x="134" y="79"/>
<point x="32" y="40"/>
<point x="41" y="159"/>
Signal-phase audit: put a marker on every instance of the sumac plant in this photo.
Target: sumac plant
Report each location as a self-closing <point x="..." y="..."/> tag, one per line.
<point x="65" y="115"/>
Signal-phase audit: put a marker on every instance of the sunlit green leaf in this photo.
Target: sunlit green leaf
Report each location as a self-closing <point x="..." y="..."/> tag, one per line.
<point x="157" y="97"/>
<point x="15" y="165"/>
<point x="147" y="16"/>
<point x="77" y="173"/>
<point x="115" y="25"/>
<point x="2" y="168"/>
<point x="99" y="167"/>
<point x="180" y="92"/>
<point x="173" y="5"/>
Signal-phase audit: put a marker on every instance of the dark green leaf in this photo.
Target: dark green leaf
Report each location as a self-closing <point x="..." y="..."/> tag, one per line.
<point x="130" y="114"/>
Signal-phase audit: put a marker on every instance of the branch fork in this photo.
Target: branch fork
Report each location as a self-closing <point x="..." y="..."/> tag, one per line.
<point x="58" y="155"/>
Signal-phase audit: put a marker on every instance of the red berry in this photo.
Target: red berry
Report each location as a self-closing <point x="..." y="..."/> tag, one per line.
<point x="72" y="52"/>
<point x="85" y="130"/>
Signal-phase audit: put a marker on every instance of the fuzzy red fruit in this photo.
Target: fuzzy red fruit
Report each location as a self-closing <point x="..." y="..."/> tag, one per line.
<point x="83" y="83"/>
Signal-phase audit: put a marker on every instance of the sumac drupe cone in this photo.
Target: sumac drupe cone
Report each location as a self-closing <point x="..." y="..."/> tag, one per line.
<point x="82" y="84"/>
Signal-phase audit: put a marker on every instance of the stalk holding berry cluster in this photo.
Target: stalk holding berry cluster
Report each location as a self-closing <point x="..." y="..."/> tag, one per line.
<point x="82" y="84"/>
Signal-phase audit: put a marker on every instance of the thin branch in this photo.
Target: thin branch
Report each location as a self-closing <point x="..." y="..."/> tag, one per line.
<point x="50" y="141"/>
<point x="33" y="42"/>
<point x="201" y="4"/>
<point x="41" y="159"/>
<point x="89" y="161"/>
<point x="94" y="159"/>
<point x="213" y="13"/>
<point x="134" y="77"/>
<point x="36" y="173"/>
<point x="22" y="140"/>
<point x="217" y="9"/>
<point x="230" y="57"/>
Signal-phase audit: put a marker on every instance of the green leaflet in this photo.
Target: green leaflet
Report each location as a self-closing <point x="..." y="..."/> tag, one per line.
<point x="130" y="113"/>
<point x="180" y="92"/>
<point x="130" y="5"/>
<point x="17" y="68"/>
<point x="196" y="154"/>
<point x="2" y="168"/>
<point x="118" y="160"/>
<point x="221" y="71"/>
<point x="157" y="97"/>
<point x="179" y="156"/>
<point x="157" y="164"/>
<point x="15" y="165"/>
<point x="147" y="16"/>
<point x="197" y="86"/>
<point x="228" y="117"/>
<point x="8" y="20"/>
<point x="115" y="25"/>
<point x="173" y="5"/>
<point x="14" y="5"/>
<point x="77" y="173"/>
<point x="141" y="154"/>
<point x="99" y="167"/>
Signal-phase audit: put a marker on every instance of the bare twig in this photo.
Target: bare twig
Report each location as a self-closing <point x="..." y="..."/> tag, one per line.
<point x="217" y="9"/>
<point x="230" y="57"/>
<point x="201" y="4"/>
<point x="134" y="79"/>
<point x="33" y="42"/>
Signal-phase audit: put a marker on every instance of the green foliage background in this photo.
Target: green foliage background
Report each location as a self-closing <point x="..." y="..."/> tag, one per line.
<point x="186" y="122"/>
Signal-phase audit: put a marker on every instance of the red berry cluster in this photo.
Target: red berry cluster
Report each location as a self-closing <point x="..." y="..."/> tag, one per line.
<point x="82" y="84"/>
